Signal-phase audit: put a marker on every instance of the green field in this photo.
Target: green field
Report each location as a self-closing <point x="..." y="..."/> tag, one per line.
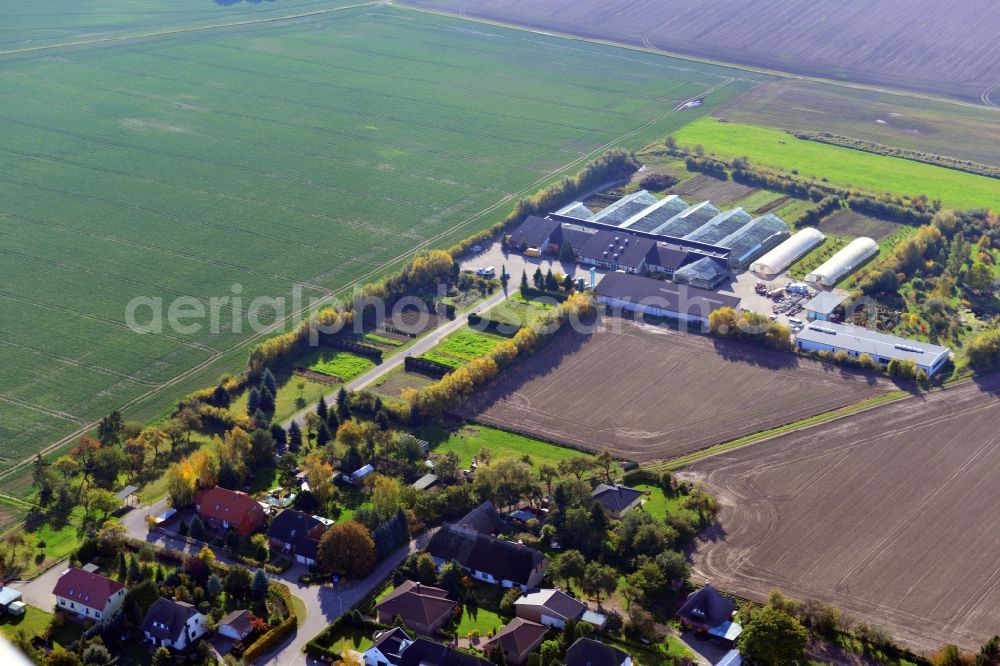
<point x="342" y="364"/>
<point x="467" y="442"/>
<point x="47" y="22"/>
<point x="461" y="347"/>
<point x="841" y="166"/>
<point x="308" y="153"/>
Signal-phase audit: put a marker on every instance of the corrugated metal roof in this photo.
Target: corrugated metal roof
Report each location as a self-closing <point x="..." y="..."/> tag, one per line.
<point x="873" y="343"/>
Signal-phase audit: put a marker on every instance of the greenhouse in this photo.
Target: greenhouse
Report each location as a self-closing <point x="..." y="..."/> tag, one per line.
<point x="577" y="210"/>
<point x="751" y="240"/>
<point x="706" y="273"/>
<point x="625" y="208"/>
<point x="652" y="217"/>
<point x="721" y="226"/>
<point x="687" y="220"/>
<point x="783" y="256"/>
<point x="857" y="252"/>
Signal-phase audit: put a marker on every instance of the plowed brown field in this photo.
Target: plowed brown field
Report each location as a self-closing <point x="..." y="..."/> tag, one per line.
<point x="941" y="47"/>
<point x="649" y="393"/>
<point x="891" y="515"/>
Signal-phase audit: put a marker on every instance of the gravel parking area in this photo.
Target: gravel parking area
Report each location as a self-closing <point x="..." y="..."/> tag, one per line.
<point x="496" y="255"/>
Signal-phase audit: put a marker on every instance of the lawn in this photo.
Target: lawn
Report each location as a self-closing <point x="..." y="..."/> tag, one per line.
<point x="61" y="539"/>
<point x="468" y="441"/>
<point x="657" y="504"/>
<point x="841" y="166"/>
<point x="32" y="623"/>
<point x="345" y="365"/>
<point x="478" y="619"/>
<point x="284" y="159"/>
<point x="286" y="402"/>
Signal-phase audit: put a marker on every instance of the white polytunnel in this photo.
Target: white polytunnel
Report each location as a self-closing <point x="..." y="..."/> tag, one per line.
<point x="788" y="252"/>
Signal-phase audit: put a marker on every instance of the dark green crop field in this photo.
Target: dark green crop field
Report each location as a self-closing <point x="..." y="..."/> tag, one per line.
<point x="316" y="151"/>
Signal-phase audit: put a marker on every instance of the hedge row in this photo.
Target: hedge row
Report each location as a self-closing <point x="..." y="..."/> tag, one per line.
<point x="270" y="640"/>
<point x="489" y="325"/>
<point x="426" y="366"/>
<point x="358" y="348"/>
<point x="945" y="161"/>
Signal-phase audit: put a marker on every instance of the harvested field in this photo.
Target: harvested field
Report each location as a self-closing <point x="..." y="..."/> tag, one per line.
<point x="648" y="393"/>
<point x="851" y="223"/>
<point x="889" y="514"/>
<point x="923" y="44"/>
<point x="719" y="192"/>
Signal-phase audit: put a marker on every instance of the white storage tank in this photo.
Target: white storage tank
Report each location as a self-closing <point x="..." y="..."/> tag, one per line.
<point x="788" y="252"/>
<point x="857" y="252"/>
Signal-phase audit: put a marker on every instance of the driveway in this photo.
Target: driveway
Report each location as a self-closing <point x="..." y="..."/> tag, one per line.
<point x="38" y="591"/>
<point x="324" y="604"/>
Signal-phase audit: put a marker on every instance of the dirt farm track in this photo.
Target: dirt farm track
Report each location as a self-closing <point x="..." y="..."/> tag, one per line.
<point x="891" y="515"/>
<point x="649" y="393"/>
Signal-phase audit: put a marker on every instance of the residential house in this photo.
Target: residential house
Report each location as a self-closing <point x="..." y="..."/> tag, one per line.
<point x="296" y="534"/>
<point x="421" y="607"/>
<point x="588" y="652"/>
<point x="487" y="558"/>
<point x="388" y="648"/>
<point x="617" y="499"/>
<point x="485" y="519"/>
<point x="226" y="509"/>
<point x="710" y="611"/>
<point x="518" y="639"/>
<point x="237" y="625"/>
<point x="172" y="624"/>
<point x="88" y="594"/>
<point x="554" y="608"/>
<point x="423" y="652"/>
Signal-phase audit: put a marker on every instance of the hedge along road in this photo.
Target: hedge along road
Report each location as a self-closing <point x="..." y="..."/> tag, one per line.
<point x="425" y="344"/>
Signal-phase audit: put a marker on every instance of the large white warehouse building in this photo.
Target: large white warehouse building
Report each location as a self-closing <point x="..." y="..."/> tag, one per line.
<point x="855" y="253"/>
<point x="881" y="347"/>
<point x="781" y="257"/>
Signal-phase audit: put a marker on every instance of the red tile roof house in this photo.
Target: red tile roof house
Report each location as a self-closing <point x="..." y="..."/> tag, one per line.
<point x="229" y="509"/>
<point x="88" y="595"/>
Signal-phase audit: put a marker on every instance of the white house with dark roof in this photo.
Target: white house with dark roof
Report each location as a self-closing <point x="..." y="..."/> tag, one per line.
<point x="173" y="624"/>
<point x="88" y="595"/>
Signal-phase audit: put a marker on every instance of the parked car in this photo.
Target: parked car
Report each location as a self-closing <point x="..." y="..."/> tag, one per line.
<point x="487" y="272"/>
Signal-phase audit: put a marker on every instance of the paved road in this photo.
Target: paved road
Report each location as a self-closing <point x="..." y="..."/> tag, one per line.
<point x="324" y="604"/>
<point x="421" y="346"/>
